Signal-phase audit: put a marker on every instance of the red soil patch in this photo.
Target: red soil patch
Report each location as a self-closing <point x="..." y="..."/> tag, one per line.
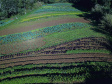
<point x="41" y="25"/>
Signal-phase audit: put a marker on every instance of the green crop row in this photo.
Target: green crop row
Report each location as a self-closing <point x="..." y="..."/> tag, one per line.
<point x="50" y="15"/>
<point x="60" y="8"/>
<point x="80" y="71"/>
<point x="67" y="78"/>
<point x="87" y="51"/>
<point x="40" y="71"/>
<point x="40" y="32"/>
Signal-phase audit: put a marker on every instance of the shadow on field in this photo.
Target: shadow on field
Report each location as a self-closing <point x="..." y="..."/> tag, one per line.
<point x="95" y="23"/>
<point x="101" y="76"/>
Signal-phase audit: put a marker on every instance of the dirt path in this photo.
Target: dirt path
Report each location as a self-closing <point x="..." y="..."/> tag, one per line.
<point x="55" y="59"/>
<point x="41" y="25"/>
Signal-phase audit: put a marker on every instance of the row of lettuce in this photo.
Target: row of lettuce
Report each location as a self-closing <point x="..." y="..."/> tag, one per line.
<point x="3" y="23"/>
<point x="60" y="7"/>
<point x="41" y="32"/>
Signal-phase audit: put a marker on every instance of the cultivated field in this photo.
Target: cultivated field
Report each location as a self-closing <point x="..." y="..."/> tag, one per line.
<point x="52" y="44"/>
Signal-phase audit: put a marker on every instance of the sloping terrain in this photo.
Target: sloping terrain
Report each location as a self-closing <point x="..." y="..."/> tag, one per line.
<point x="53" y="44"/>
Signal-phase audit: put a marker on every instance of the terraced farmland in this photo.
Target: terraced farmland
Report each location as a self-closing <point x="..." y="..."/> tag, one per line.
<point x="53" y="44"/>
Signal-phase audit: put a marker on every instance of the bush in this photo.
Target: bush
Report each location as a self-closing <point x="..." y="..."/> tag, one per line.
<point x="106" y="23"/>
<point x="97" y="12"/>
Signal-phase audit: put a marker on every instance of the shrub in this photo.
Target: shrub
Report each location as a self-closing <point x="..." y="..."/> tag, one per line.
<point x="106" y="23"/>
<point x="97" y="12"/>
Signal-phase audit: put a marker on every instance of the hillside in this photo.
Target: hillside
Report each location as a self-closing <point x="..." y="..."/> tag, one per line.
<point x="53" y="44"/>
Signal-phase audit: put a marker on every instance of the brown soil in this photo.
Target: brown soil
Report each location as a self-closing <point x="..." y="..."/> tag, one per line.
<point x="83" y="43"/>
<point x="55" y="59"/>
<point x="88" y="43"/>
<point x="41" y="25"/>
<point x="21" y="46"/>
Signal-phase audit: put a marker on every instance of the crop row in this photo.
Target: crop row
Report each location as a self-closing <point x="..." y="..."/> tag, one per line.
<point x="68" y="69"/>
<point x="84" y="43"/>
<point x="44" y="16"/>
<point x="41" y="32"/>
<point x="56" y="65"/>
<point x="42" y="71"/>
<point x="5" y="23"/>
<point x="56" y="10"/>
<point x="57" y="7"/>
<point x="59" y="4"/>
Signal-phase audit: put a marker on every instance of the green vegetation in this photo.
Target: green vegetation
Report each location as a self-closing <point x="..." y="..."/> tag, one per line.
<point x="14" y="7"/>
<point x="24" y="13"/>
<point x="52" y="36"/>
<point x="87" y="51"/>
<point x="70" y="35"/>
<point x="54" y="73"/>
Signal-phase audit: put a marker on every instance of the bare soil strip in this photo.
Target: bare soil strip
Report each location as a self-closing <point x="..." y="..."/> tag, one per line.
<point x="41" y="25"/>
<point x="55" y="59"/>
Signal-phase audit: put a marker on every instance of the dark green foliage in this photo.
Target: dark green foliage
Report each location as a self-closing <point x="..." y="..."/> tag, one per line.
<point x="98" y="12"/>
<point x="106" y="26"/>
<point x="13" y="7"/>
<point x="9" y="7"/>
<point x="107" y="23"/>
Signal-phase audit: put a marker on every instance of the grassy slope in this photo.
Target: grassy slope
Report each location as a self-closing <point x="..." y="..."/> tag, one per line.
<point x="70" y="35"/>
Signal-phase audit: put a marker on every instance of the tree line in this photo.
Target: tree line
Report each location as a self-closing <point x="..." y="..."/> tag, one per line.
<point x="13" y="7"/>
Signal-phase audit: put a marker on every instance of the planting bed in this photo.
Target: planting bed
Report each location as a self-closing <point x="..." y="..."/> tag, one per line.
<point x="53" y="73"/>
<point x="54" y="59"/>
<point x="57" y="7"/>
<point x="41" y="25"/>
<point x="81" y="44"/>
<point x="21" y="46"/>
<point x="22" y="41"/>
<point x="87" y="43"/>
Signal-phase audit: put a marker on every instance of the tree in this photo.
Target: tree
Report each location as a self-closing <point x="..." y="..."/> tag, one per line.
<point x="9" y="7"/>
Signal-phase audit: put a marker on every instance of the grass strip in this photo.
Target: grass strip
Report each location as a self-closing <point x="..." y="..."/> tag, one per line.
<point x="87" y="51"/>
<point x="49" y="15"/>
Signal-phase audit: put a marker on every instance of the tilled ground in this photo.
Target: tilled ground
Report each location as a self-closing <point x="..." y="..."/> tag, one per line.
<point x="54" y="59"/>
<point x="21" y="46"/>
<point x="83" y="44"/>
<point x="41" y="25"/>
<point x="57" y="54"/>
